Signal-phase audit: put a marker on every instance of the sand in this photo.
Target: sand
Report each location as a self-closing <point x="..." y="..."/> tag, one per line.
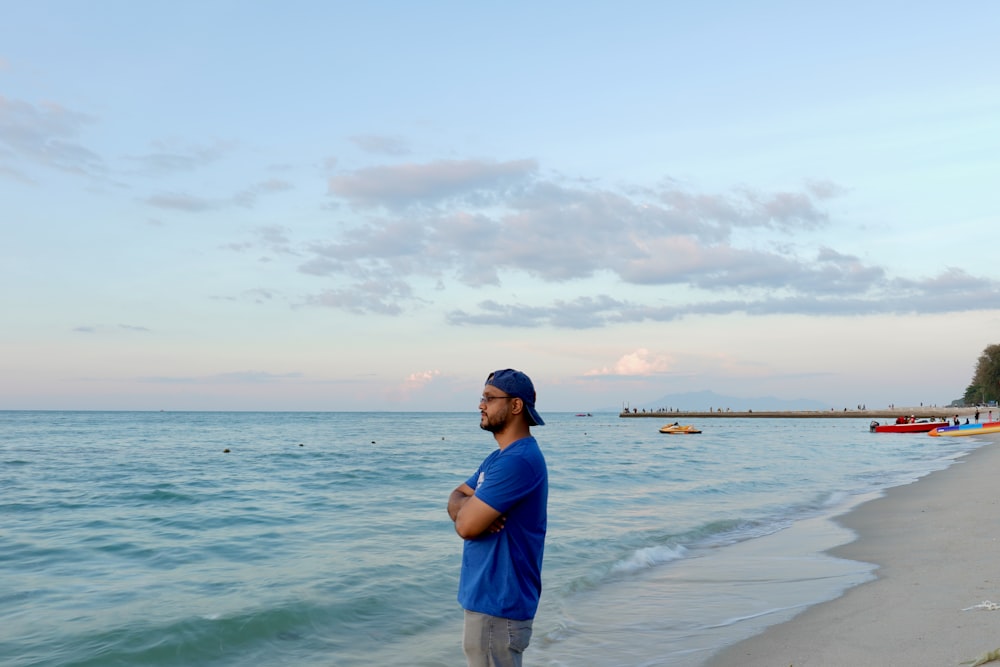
<point x="937" y="544"/>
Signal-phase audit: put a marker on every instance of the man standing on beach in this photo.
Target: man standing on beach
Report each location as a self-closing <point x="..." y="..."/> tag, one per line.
<point x="500" y="512"/>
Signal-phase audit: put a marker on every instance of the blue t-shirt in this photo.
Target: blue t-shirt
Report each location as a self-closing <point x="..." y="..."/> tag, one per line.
<point x="502" y="572"/>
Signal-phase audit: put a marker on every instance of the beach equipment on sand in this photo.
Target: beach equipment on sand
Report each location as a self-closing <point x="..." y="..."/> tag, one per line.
<point x="967" y="429"/>
<point x="989" y="656"/>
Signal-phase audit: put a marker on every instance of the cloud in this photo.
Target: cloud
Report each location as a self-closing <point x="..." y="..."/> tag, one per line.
<point x="380" y="144"/>
<point x="381" y="297"/>
<point x="168" y="157"/>
<point x="638" y="363"/>
<point x="412" y="385"/>
<point x="246" y="198"/>
<point x="421" y="379"/>
<point x="480" y="223"/>
<point x="15" y="175"/>
<point x="407" y="184"/>
<point x="950" y="291"/>
<point x="260" y="295"/>
<point x="182" y="202"/>
<point x="47" y="135"/>
<point x="825" y="189"/>
<point x="743" y="208"/>
<point x="236" y="377"/>
<point x="584" y="312"/>
<point x="483" y="220"/>
<point x="251" y="377"/>
<point x="275" y="238"/>
<point x="132" y="328"/>
<point x="558" y="234"/>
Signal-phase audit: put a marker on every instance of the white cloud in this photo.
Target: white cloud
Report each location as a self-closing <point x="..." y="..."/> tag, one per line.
<point x="421" y="378"/>
<point x="641" y="363"/>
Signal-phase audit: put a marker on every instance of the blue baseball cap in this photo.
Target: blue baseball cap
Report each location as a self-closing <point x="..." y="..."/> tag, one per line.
<point x="516" y="383"/>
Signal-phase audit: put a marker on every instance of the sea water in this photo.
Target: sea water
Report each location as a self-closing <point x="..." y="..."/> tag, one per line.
<point x="236" y="538"/>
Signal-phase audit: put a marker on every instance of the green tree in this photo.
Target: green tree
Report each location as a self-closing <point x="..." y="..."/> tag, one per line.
<point x="985" y="385"/>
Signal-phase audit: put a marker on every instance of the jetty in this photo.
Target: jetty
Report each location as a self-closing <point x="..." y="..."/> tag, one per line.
<point x="885" y="413"/>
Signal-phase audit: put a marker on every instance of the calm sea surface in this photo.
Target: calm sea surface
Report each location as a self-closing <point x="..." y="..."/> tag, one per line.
<point x="133" y="538"/>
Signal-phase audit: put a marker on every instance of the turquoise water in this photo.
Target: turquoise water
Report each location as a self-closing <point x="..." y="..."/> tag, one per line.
<point x="322" y="539"/>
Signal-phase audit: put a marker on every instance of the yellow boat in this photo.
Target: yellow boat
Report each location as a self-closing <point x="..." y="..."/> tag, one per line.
<point x="677" y="428"/>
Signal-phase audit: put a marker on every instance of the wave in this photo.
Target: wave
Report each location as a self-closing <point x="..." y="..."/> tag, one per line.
<point x="239" y="639"/>
<point x="632" y="554"/>
<point x="295" y="633"/>
<point x="648" y="557"/>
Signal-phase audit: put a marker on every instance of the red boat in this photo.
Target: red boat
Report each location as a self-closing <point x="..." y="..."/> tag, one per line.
<point x="922" y="425"/>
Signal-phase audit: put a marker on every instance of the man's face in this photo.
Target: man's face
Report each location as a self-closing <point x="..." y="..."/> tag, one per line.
<point x="494" y="409"/>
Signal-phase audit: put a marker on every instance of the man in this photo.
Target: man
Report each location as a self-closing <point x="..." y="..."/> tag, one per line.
<point x="500" y="512"/>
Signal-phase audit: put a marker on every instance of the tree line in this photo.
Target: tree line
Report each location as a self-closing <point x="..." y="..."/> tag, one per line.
<point x="985" y="385"/>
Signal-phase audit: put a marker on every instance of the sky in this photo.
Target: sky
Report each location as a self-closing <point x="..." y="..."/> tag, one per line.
<point x="298" y="205"/>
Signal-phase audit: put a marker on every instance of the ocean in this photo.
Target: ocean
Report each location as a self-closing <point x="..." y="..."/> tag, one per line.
<point x="223" y="539"/>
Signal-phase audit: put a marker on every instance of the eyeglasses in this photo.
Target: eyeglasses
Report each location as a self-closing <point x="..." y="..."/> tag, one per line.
<point x="487" y="399"/>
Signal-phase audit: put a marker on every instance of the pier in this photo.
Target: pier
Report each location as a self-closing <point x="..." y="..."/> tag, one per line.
<point x="881" y="414"/>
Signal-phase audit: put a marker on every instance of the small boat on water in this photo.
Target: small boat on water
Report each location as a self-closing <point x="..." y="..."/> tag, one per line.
<point x="967" y="429"/>
<point x="677" y="428"/>
<point x="921" y="425"/>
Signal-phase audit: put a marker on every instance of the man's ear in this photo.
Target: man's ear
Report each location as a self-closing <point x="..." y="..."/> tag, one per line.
<point x="518" y="407"/>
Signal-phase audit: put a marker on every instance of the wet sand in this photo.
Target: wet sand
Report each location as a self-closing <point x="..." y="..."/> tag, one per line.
<point x="937" y="544"/>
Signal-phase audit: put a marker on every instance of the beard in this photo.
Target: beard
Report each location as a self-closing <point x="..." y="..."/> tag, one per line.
<point x="493" y="424"/>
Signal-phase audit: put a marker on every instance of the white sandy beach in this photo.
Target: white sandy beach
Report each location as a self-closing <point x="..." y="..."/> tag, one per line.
<point x="937" y="545"/>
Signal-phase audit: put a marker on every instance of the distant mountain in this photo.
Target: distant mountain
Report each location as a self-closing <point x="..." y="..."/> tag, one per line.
<point x="699" y="401"/>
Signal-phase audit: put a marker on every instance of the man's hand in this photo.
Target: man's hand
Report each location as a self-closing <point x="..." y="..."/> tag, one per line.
<point x="498" y="525"/>
<point x="457" y="500"/>
<point x="471" y="515"/>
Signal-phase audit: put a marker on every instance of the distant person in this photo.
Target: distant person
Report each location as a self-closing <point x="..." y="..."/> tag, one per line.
<point x="977" y="415"/>
<point x="955" y="421"/>
<point x="501" y="513"/>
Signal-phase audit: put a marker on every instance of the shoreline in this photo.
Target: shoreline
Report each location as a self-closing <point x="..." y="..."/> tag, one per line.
<point x="935" y="542"/>
<point x="887" y="413"/>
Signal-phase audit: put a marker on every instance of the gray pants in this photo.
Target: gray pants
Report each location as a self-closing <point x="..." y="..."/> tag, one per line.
<point x="491" y="641"/>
